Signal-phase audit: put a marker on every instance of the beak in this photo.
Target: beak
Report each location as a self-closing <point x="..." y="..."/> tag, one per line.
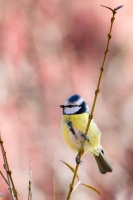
<point x="62" y="106"/>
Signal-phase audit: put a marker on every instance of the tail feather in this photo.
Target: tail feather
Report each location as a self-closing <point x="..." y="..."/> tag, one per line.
<point x="103" y="164"/>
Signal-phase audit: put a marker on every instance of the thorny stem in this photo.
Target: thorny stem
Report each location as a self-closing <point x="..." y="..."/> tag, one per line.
<point x="10" y="182"/>
<point x="95" y="98"/>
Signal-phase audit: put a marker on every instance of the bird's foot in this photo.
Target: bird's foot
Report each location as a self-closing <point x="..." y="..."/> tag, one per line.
<point x="78" y="161"/>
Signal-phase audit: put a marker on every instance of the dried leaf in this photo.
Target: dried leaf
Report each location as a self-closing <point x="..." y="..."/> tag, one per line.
<point x="119" y="7"/>
<point x="71" y="168"/>
<point x="107" y="7"/>
<point x="92" y="188"/>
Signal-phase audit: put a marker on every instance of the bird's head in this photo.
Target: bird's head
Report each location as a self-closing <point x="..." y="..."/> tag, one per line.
<point x="75" y="105"/>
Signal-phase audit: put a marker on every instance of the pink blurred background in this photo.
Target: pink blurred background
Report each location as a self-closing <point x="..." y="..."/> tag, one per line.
<point x="50" y="50"/>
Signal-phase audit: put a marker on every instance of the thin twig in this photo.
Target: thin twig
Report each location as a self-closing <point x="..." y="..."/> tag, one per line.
<point x="95" y="98"/>
<point x="4" y="177"/>
<point x="30" y="183"/>
<point x="11" y="185"/>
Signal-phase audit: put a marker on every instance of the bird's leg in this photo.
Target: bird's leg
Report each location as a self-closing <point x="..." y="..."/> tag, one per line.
<point x="85" y="137"/>
<point x="78" y="161"/>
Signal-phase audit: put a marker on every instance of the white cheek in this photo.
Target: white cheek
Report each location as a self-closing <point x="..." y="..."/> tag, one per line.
<point x="72" y="110"/>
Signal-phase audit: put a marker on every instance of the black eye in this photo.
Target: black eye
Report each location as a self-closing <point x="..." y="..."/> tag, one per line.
<point x="70" y="106"/>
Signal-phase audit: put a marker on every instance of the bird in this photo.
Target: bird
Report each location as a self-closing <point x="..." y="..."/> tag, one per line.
<point x="73" y="126"/>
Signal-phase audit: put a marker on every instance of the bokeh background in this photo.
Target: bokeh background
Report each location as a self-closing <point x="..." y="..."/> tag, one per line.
<point x="50" y="50"/>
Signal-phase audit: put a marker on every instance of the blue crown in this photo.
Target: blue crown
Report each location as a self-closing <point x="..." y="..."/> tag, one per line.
<point x="74" y="98"/>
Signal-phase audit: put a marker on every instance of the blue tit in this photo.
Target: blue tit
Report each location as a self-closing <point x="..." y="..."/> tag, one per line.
<point x="74" y="122"/>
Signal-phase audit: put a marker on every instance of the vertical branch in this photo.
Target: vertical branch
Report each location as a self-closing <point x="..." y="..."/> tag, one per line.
<point x="11" y="185"/>
<point x="95" y="98"/>
<point x="30" y="183"/>
<point x="101" y="72"/>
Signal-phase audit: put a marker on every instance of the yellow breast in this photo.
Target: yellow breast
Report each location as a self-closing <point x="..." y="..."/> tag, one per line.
<point x="79" y="123"/>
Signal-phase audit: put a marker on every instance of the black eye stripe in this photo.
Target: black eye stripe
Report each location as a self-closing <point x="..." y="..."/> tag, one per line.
<point x="70" y="106"/>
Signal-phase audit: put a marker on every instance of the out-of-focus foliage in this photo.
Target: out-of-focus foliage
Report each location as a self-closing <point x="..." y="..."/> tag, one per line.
<point x="49" y="50"/>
